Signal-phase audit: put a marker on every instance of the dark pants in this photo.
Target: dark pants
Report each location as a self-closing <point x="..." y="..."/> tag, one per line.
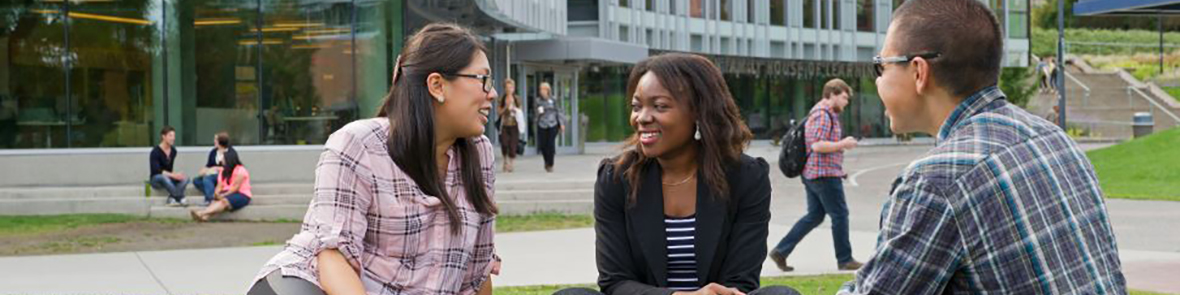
<point x="765" y="290"/>
<point x="825" y="196"/>
<point x="547" y="143"/>
<point x="206" y="184"/>
<point x="509" y="138"/>
<point x="277" y="284"/>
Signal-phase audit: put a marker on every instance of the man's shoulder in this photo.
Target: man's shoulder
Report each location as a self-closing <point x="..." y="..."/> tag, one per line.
<point x="989" y="134"/>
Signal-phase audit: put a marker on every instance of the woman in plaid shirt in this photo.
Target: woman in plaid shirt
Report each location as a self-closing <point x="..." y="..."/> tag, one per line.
<point x="403" y="202"/>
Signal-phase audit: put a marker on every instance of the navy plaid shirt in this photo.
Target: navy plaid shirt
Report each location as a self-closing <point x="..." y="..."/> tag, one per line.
<point x="1005" y="203"/>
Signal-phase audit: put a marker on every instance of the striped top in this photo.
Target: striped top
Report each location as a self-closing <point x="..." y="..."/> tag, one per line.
<point x="682" y="261"/>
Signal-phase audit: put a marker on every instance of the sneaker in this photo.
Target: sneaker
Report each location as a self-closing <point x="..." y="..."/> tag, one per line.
<point x="851" y="265"/>
<point x="183" y="203"/>
<point x="780" y="261"/>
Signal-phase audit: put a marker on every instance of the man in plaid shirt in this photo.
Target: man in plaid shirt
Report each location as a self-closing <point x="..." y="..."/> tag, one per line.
<point x="823" y="178"/>
<point x="1005" y="203"/>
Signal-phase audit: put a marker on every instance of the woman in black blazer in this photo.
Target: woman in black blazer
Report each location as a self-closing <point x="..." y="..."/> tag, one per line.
<point x="682" y="210"/>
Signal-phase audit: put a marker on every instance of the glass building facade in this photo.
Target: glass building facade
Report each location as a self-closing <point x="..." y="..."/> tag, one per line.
<point x="111" y="73"/>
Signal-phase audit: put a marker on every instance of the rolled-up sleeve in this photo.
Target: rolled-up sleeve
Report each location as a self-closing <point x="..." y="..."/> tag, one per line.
<point x="336" y="218"/>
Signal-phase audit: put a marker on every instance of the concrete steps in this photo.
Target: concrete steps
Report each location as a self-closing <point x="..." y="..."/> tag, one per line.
<point x="1108" y="110"/>
<point x="271" y="201"/>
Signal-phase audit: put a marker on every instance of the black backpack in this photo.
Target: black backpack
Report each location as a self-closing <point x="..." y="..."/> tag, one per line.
<point x="793" y="156"/>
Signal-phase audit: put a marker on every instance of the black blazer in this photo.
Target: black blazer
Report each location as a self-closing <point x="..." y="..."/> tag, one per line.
<point x="631" y="247"/>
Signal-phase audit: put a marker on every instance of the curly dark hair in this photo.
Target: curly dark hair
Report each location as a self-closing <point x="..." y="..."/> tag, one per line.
<point x="694" y="81"/>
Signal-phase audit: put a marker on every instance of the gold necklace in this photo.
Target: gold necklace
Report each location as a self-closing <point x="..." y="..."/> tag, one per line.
<point x="690" y="177"/>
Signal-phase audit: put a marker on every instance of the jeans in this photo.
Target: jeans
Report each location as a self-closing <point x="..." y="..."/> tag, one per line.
<point x="206" y="185"/>
<point x="175" y="188"/>
<point x="825" y="196"/>
<point x="547" y="143"/>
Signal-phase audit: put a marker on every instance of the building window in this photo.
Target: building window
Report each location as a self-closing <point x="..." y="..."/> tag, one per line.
<point x="624" y="3"/>
<point x="698" y="43"/>
<point x="864" y="15"/>
<point x="725" y="43"/>
<point x="649" y="6"/>
<point x="836" y="25"/>
<point x="672" y="7"/>
<point x="583" y="10"/>
<point x="696" y="8"/>
<point x="897" y="3"/>
<point x="777" y="13"/>
<point x="809" y="14"/>
<point x="778" y="49"/>
<point x="726" y="6"/>
<point x="651" y="39"/>
<point x="1018" y="19"/>
<point x="624" y="34"/>
<point x="751" y="13"/>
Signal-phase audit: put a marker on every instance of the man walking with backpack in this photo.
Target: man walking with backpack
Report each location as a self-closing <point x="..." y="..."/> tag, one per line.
<point x="823" y="177"/>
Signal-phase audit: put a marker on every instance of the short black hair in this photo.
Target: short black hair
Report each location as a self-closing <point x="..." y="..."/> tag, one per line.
<point x="965" y="33"/>
<point x="166" y="129"/>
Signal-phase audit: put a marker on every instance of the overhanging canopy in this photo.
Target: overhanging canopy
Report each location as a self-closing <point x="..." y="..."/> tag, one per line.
<point x="1126" y="7"/>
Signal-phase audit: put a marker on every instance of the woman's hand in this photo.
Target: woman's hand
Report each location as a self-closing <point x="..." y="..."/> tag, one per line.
<point x="713" y="289"/>
<point x="496" y="267"/>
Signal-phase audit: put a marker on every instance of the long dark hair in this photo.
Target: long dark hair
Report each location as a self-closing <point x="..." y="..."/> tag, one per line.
<point x="231" y="161"/>
<point x="696" y="83"/>
<point x="437" y="48"/>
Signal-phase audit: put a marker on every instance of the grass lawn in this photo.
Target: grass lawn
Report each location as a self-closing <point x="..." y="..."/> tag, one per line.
<point x="1174" y="92"/>
<point x="806" y="285"/>
<point x="541" y="221"/>
<point x="33" y="225"/>
<point x="823" y="284"/>
<point x="22" y="225"/>
<point x="1147" y="168"/>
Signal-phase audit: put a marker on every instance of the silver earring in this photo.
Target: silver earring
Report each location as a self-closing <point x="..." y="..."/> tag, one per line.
<point x="697" y="136"/>
<point x="440" y="99"/>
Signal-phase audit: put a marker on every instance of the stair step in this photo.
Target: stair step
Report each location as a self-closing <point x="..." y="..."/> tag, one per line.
<point x="82" y="205"/>
<point x="273" y="212"/>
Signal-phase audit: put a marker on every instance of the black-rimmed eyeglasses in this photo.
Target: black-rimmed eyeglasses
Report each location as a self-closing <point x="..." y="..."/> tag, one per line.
<point x="488" y="82"/>
<point x="879" y="62"/>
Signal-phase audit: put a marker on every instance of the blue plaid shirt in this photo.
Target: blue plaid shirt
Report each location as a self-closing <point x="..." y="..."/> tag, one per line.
<point x="1005" y="203"/>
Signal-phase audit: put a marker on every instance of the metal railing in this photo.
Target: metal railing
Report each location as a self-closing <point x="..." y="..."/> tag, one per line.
<point x="1086" y="97"/>
<point x="1157" y="105"/>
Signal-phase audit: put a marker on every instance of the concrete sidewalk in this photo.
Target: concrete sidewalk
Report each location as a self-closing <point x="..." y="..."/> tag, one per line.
<point x="530" y="258"/>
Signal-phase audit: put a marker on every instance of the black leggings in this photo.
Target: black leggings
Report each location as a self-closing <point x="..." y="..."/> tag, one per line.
<point x="277" y="284"/>
<point x="547" y="143"/>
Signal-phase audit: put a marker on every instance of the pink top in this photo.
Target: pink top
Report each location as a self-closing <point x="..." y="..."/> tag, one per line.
<point x="396" y="237"/>
<point x="239" y="170"/>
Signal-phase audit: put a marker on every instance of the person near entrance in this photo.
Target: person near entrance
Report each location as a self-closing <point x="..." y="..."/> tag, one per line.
<point x="823" y="178"/>
<point x="160" y="164"/>
<point x="550" y="122"/>
<point x="1005" y="202"/>
<point x="509" y="111"/>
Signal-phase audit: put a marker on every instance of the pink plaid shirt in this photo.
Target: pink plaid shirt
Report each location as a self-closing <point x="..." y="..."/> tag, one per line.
<point x="823" y="124"/>
<point x="395" y="236"/>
